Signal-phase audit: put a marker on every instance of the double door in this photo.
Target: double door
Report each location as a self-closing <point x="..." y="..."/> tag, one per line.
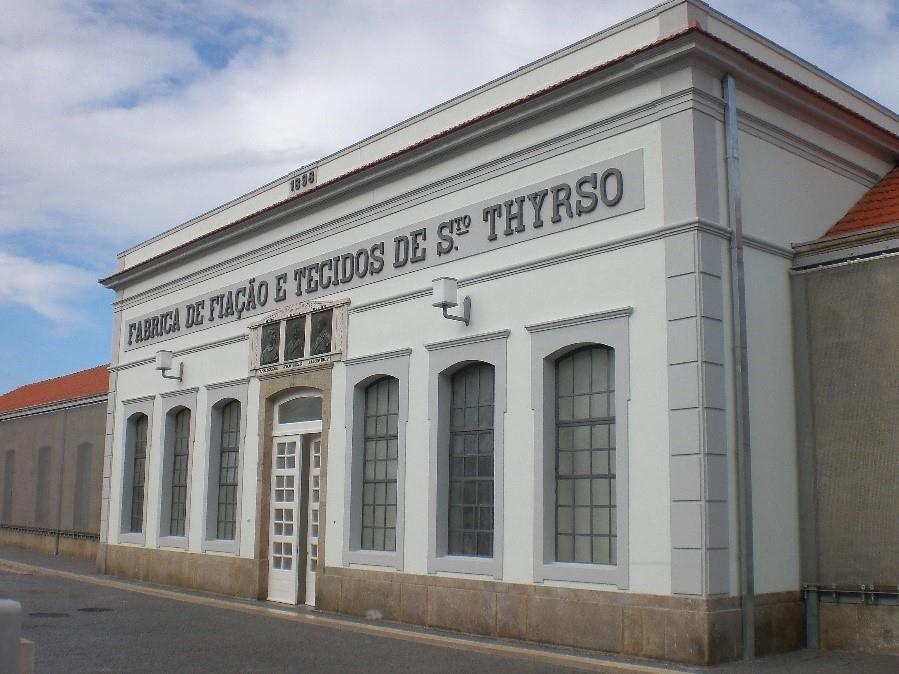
<point x="294" y="528"/>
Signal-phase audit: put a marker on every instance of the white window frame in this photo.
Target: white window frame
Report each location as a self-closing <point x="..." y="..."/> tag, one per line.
<point x="445" y="359"/>
<point x="171" y="405"/>
<point x="550" y="341"/>
<point x="300" y="427"/>
<point x="360" y="372"/>
<point x="216" y="394"/>
<point x="129" y="409"/>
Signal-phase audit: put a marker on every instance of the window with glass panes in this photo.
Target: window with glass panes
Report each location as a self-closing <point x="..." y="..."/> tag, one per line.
<point x="180" y="458"/>
<point x="138" y="467"/>
<point x="470" y="507"/>
<point x="226" y="519"/>
<point x="585" y="457"/>
<point x="379" y="465"/>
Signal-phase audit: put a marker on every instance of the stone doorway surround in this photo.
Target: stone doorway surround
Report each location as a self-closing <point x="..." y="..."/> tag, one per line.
<point x="271" y="387"/>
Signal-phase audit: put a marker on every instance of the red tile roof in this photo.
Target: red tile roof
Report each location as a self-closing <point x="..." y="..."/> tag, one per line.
<point x="877" y="208"/>
<point x="68" y="387"/>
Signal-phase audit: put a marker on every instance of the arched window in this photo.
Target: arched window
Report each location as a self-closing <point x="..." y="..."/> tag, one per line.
<point x="470" y="506"/>
<point x="585" y="457"/>
<point x="379" y="466"/>
<point x="9" y="465"/>
<point x="302" y="409"/>
<point x="139" y="425"/>
<point x="84" y="488"/>
<point x="229" y="451"/>
<point x="180" y="461"/>
<point x="42" y="488"/>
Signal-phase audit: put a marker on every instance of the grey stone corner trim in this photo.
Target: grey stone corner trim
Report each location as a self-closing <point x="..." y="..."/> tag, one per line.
<point x="139" y="399"/>
<point x="468" y="339"/>
<point x="622" y="312"/>
<point x="179" y="392"/>
<point x="374" y="357"/>
<point x="225" y="384"/>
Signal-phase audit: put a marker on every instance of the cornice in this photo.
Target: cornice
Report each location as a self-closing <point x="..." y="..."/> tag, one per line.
<point x="234" y="339"/>
<point x="623" y="312"/>
<point x="609" y="127"/>
<point x="851" y="247"/>
<point x="374" y="357"/>
<point x="645" y="60"/>
<point x="587" y="251"/>
<point x="468" y="339"/>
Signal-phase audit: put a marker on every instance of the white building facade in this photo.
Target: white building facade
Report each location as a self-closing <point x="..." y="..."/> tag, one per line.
<point x="562" y="466"/>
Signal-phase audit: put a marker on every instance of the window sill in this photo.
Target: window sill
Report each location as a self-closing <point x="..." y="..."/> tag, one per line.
<point x="173" y="542"/>
<point x="132" y="538"/>
<point x="482" y="566"/>
<point x="602" y="574"/>
<point x="228" y="547"/>
<point x="374" y="558"/>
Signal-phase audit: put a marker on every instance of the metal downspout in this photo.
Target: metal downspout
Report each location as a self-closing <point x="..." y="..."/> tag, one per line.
<point x="741" y="368"/>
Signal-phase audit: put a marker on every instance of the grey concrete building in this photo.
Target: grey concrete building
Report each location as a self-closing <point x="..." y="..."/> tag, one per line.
<point x="51" y="463"/>
<point x="845" y="293"/>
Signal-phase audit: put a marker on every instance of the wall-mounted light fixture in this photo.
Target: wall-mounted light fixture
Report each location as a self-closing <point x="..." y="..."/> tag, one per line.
<point x="446" y="292"/>
<point x="164" y="364"/>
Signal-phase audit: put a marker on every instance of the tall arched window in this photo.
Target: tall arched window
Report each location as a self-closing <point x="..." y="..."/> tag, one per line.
<point x="470" y="506"/>
<point x="379" y="467"/>
<point x="84" y="488"/>
<point x="9" y="465"/>
<point x="42" y="488"/>
<point x="229" y="450"/>
<point x="138" y="471"/>
<point x="585" y="457"/>
<point x="180" y="460"/>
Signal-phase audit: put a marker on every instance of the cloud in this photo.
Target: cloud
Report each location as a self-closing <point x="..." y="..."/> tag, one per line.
<point x="130" y="119"/>
<point x="121" y="120"/>
<point x="53" y="290"/>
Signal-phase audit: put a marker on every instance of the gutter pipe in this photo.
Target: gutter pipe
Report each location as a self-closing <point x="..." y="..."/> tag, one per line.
<point x="741" y="369"/>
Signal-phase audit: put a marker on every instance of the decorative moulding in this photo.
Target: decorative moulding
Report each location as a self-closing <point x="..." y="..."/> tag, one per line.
<point x="339" y="307"/>
<point x="470" y="339"/>
<point x="374" y="357"/>
<point x="623" y="312"/>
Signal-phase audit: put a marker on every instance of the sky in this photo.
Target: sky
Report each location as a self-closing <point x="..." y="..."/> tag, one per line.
<point x="120" y="120"/>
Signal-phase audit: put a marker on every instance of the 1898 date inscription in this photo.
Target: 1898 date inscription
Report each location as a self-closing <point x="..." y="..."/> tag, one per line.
<point x="302" y="182"/>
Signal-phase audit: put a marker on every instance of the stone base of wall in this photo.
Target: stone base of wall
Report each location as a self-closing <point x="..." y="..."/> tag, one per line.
<point x="859" y="627"/>
<point x="233" y="576"/>
<point x="680" y="629"/>
<point x="83" y="548"/>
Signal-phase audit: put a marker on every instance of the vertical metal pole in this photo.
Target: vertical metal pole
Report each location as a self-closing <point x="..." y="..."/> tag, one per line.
<point x="811" y="618"/>
<point x="741" y="368"/>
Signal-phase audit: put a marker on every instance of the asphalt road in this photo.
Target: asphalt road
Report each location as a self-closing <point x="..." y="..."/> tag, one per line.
<point x="80" y="627"/>
<point x="88" y="623"/>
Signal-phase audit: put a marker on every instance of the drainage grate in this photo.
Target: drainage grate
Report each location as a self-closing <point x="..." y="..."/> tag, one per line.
<point x="94" y="609"/>
<point x="48" y="614"/>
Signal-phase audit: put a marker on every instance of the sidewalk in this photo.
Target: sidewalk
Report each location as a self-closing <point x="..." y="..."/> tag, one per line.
<point x="24" y="561"/>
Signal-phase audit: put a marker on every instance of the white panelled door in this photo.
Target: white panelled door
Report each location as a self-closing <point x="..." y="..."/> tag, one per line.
<point x="312" y="549"/>
<point x="285" y="511"/>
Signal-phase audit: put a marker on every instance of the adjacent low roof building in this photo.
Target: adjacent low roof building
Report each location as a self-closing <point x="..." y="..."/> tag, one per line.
<point x="69" y="388"/>
<point x="51" y="462"/>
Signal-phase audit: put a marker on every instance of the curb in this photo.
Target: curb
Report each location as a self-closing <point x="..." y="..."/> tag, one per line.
<point x="510" y="650"/>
